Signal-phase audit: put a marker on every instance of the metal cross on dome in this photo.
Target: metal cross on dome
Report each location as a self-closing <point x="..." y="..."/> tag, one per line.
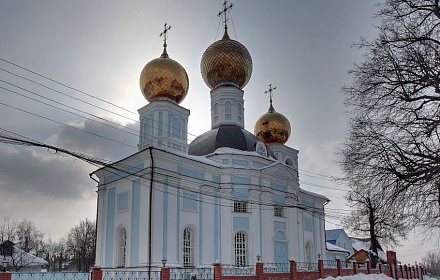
<point x="164" y="33"/>
<point x="224" y="12"/>
<point x="270" y="92"/>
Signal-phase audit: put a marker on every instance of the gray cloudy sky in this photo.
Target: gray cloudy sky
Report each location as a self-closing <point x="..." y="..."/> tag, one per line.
<point x="100" y="47"/>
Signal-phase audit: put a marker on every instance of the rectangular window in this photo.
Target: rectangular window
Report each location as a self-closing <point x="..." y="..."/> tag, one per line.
<point x="278" y="211"/>
<point x="240" y="207"/>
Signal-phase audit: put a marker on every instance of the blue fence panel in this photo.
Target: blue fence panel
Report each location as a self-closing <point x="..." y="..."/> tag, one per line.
<point x="330" y="264"/>
<point x="238" y="270"/>
<point x="131" y="275"/>
<point x="276" y="267"/>
<point x="304" y="266"/>
<point x="191" y="274"/>
<point x="51" y="276"/>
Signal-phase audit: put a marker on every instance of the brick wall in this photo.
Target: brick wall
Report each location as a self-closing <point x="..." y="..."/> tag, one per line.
<point x="405" y="272"/>
<point x="5" y="275"/>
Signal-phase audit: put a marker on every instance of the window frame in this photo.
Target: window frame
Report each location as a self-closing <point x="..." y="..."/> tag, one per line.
<point x="278" y="211"/>
<point x="228" y="110"/>
<point x="241" y="251"/>
<point x="240" y="206"/>
<point x="188" y="249"/>
<point x="122" y="247"/>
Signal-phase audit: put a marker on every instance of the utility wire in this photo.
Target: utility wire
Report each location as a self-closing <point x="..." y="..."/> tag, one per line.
<point x="161" y="126"/>
<point x="33" y="72"/>
<point x="67" y="125"/>
<point x="315" y="212"/>
<point x="64" y="85"/>
<point x="47" y="104"/>
<point x="175" y="181"/>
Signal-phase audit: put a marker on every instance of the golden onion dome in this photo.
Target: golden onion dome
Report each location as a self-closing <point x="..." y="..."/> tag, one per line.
<point x="272" y="127"/>
<point x="164" y="77"/>
<point x="226" y="62"/>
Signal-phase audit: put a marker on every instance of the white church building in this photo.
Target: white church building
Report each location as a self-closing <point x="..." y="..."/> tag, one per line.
<point x="229" y="195"/>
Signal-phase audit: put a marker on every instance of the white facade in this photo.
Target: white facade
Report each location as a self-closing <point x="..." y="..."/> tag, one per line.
<point x="227" y="196"/>
<point x="199" y="194"/>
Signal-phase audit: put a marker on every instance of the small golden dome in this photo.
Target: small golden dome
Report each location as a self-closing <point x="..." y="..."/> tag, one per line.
<point x="226" y="62"/>
<point x="272" y="127"/>
<point x="164" y="77"/>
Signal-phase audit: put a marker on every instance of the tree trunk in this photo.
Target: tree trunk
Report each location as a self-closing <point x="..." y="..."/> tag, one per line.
<point x="373" y="238"/>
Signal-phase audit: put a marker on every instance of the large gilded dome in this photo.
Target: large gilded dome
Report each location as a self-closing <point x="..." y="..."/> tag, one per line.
<point x="272" y="127"/>
<point x="226" y="62"/>
<point x="164" y="77"/>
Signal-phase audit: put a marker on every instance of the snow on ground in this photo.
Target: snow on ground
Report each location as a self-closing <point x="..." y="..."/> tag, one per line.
<point x="362" y="276"/>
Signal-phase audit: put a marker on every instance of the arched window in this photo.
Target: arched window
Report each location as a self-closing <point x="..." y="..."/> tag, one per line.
<point x="216" y="112"/>
<point x="239" y="113"/>
<point x="240" y="248"/>
<point x="122" y="247"/>
<point x="188" y="247"/>
<point x="309" y="251"/>
<point x="148" y="128"/>
<point x="289" y="162"/>
<point x="228" y="110"/>
<point x="176" y="128"/>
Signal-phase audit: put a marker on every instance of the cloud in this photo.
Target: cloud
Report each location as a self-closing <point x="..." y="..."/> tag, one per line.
<point x="53" y="216"/>
<point x="105" y="142"/>
<point x="29" y="172"/>
<point x="321" y="158"/>
<point x="53" y="191"/>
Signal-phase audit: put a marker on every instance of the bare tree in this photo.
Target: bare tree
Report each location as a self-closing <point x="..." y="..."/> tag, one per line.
<point x="373" y="216"/>
<point x="28" y="237"/>
<point x="56" y="254"/>
<point x="81" y="244"/>
<point x="394" y="138"/>
<point x="7" y="229"/>
<point x="432" y="262"/>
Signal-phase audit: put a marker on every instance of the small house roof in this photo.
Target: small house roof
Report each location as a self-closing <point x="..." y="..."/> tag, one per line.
<point x="332" y="234"/>
<point x="331" y="247"/>
<point x="22" y="258"/>
<point x="360" y="244"/>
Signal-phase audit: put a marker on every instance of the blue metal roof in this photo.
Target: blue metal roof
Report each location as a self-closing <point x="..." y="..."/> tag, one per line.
<point x="332" y="234"/>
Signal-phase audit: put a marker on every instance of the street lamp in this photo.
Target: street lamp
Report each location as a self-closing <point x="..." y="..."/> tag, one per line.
<point x="4" y="264"/>
<point x="258" y="258"/>
<point x="164" y="261"/>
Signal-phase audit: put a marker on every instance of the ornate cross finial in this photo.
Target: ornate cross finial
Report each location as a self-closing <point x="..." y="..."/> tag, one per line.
<point x="224" y="12"/>
<point x="270" y="93"/>
<point x="164" y="33"/>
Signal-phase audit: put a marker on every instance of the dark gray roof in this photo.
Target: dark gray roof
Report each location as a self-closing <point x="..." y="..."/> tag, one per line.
<point x="229" y="136"/>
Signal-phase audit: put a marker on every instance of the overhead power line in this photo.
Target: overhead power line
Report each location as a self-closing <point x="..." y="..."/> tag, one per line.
<point x="121" y="171"/>
<point x="67" y="125"/>
<point x="64" y="85"/>
<point x="315" y="175"/>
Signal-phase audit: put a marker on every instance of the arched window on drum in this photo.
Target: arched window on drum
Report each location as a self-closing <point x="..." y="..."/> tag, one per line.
<point x="176" y="128"/>
<point x="228" y="110"/>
